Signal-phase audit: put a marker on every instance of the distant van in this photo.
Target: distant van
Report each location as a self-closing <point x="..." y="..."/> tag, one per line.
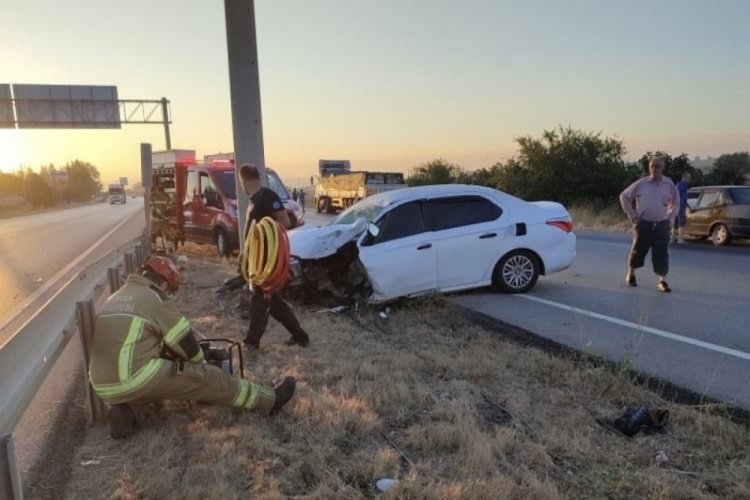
<point x="209" y="205"/>
<point x="116" y="194"/>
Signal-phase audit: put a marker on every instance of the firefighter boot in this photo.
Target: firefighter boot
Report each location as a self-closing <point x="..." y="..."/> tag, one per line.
<point x="122" y="421"/>
<point x="284" y="393"/>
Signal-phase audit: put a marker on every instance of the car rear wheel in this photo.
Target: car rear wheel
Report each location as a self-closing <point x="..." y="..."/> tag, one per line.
<point x="517" y="272"/>
<point x="720" y="235"/>
<point x="222" y="244"/>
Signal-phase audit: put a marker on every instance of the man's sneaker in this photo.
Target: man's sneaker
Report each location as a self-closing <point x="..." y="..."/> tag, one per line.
<point x="122" y="422"/>
<point x="284" y="392"/>
<point x="663" y="287"/>
<point x="630" y="280"/>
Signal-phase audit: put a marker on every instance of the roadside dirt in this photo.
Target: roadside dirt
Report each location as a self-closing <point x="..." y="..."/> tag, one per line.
<point x="424" y="396"/>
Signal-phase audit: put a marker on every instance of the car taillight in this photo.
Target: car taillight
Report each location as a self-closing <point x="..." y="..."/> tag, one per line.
<point x="564" y="225"/>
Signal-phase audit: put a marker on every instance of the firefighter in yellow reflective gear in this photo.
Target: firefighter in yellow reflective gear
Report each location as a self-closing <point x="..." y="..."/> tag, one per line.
<point x="144" y="351"/>
<point x="162" y="210"/>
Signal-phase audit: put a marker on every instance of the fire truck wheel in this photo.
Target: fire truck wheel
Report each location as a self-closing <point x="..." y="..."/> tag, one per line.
<point x="222" y="243"/>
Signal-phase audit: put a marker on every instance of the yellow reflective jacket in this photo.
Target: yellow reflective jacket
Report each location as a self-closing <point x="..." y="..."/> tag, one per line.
<point x="130" y="334"/>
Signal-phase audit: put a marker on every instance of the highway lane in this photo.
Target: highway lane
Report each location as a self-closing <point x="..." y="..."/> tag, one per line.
<point x="34" y="248"/>
<point x="696" y="337"/>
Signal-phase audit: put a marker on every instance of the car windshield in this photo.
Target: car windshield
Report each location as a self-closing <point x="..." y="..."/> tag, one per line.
<point x="369" y="208"/>
<point x="227" y="183"/>
<point x="741" y="196"/>
<point x="275" y="184"/>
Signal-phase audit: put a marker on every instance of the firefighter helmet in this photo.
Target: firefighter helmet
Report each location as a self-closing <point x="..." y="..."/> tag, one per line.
<point x="165" y="268"/>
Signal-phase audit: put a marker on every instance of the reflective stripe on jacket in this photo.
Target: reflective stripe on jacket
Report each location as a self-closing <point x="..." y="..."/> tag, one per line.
<point x="129" y="335"/>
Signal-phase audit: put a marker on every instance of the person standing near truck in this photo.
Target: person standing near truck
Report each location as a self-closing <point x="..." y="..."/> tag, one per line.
<point x="681" y="221"/>
<point x="266" y="203"/>
<point x="161" y="210"/>
<point x="301" y="200"/>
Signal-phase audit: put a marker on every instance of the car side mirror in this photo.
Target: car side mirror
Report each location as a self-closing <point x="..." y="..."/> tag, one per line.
<point x="373" y="230"/>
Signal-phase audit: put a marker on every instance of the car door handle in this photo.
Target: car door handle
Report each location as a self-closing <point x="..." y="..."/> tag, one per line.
<point x="425" y="246"/>
<point x="488" y="236"/>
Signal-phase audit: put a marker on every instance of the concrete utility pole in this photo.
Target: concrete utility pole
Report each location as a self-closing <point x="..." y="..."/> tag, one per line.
<point x="244" y="86"/>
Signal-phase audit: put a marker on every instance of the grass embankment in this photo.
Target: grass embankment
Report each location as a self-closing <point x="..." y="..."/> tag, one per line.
<point x="589" y="217"/>
<point x="448" y="408"/>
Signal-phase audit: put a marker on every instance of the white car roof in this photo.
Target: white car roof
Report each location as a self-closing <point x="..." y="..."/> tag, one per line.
<point x="439" y="191"/>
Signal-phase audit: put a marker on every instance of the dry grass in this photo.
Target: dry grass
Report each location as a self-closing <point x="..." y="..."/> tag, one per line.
<point x="426" y="397"/>
<point x="588" y="217"/>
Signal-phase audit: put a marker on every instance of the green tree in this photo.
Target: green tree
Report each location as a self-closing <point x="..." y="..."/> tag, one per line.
<point x="435" y="172"/>
<point x="730" y="169"/>
<point x="481" y="176"/>
<point x="38" y="192"/>
<point x="11" y="184"/>
<point x="674" y="167"/>
<point x="83" y="182"/>
<point x="566" y="165"/>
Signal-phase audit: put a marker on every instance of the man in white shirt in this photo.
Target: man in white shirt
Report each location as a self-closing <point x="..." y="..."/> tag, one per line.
<point x="651" y="204"/>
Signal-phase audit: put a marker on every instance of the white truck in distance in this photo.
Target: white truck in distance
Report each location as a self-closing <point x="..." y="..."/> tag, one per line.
<point x="337" y="187"/>
<point x="116" y="194"/>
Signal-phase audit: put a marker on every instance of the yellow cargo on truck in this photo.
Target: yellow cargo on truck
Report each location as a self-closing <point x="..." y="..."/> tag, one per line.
<point x="340" y="190"/>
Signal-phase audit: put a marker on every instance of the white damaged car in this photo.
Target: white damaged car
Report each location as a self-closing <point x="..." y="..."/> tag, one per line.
<point x="429" y="239"/>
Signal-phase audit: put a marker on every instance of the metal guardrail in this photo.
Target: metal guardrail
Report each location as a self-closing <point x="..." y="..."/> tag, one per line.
<point x="30" y="353"/>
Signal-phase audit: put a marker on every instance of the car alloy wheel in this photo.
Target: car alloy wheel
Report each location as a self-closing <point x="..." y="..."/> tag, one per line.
<point x="517" y="272"/>
<point x="720" y="235"/>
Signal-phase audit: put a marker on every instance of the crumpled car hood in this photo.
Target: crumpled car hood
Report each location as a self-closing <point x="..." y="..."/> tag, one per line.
<point x="317" y="243"/>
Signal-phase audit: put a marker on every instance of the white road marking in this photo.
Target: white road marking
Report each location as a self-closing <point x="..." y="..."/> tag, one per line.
<point x="653" y="331"/>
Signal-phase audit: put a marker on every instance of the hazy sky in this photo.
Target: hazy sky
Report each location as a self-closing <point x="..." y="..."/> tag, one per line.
<point x="391" y="83"/>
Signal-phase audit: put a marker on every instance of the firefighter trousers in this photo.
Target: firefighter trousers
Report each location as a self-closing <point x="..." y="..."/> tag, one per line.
<point x="203" y="383"/>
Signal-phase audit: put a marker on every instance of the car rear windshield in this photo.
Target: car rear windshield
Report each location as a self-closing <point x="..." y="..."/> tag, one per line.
<point x="115" y="190"/>
<point x="741" y="196"/>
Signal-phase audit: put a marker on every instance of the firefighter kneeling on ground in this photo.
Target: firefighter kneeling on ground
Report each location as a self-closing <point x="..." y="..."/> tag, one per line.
<point x="144" y="351"/>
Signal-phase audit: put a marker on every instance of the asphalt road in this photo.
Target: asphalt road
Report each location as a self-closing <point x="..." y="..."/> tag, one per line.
<point x="34" y="249"/>
<point x="38" y="254"/>
<point x="697" y="337"/>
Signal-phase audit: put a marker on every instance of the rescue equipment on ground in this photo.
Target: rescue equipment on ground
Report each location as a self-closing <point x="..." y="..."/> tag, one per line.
<point x="227" y="358"/>
<point x="265" y="255"/>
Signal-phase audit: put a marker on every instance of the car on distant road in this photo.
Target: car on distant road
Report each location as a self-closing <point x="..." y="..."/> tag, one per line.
<point x="719" y="212"/>
<point x="445" y="238"/>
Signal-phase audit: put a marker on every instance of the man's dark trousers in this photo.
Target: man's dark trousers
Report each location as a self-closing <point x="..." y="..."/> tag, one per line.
<point x="654" y="236"/>
<point x="261" y="305"/>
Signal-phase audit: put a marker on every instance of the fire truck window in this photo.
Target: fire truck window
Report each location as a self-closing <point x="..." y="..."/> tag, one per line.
<point x="192" y="186"/>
